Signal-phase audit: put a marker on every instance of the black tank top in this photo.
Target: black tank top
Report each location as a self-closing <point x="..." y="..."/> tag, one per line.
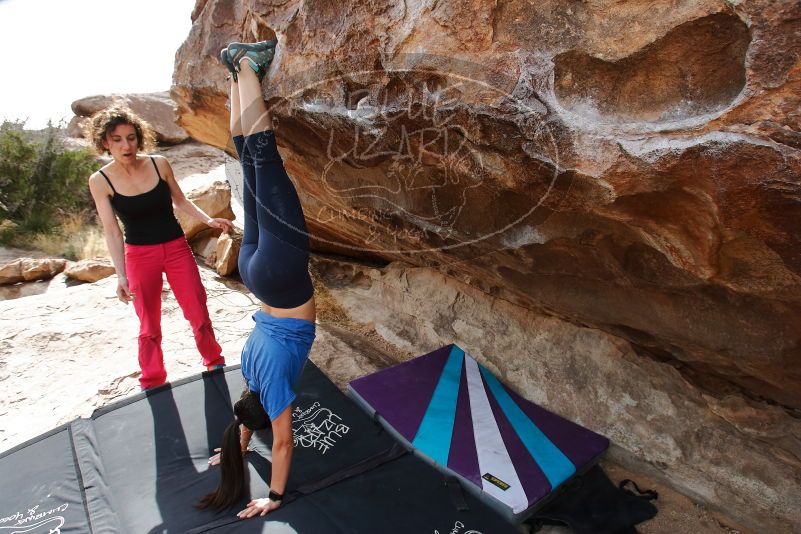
<point x="148" y="218"/>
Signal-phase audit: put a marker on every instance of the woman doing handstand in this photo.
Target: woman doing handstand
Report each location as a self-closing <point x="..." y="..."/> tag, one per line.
<point x="273" y="263"/>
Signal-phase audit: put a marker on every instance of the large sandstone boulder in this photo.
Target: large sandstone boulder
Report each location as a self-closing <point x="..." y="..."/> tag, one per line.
<point x="90" y="270"/>
<point x="30" y="269"/>
<point x="157" y="109"/>
<point x="631" y="167"/>
<point x="75" y="128"/>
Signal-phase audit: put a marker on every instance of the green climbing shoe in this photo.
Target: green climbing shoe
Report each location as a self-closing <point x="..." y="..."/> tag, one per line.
<point x="260" y="55"/>
<point x="226" y="60"/>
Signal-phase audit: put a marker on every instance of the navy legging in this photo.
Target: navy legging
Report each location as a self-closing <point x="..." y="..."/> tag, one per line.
<point x="274" y="258"/>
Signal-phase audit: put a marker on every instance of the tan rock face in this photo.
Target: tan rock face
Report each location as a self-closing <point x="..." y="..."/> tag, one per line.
<point x="90" y="270"/>
<point x="157" y="109"/>
<point x="30" y="269"/>
<point x="651" y="85"/>
<point x="627" y="166"/>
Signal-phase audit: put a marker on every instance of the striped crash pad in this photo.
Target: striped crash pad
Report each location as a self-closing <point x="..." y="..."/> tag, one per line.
<point x="455" y="413"/>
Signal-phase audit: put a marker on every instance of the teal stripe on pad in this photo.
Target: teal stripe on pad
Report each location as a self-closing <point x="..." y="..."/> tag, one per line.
<point x="434" y="435"/>
<point x="553" y="462"/>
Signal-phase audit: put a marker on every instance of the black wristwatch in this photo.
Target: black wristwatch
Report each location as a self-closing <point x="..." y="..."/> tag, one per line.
<point x="275" y="497"/>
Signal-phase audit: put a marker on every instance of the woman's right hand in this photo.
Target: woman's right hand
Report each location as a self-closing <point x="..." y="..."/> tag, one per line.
<point x="215" y="460"/>
<point x="123" y="293"/>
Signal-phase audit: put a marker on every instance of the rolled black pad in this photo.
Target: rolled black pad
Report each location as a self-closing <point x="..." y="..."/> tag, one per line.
<point x="592" y="504"/>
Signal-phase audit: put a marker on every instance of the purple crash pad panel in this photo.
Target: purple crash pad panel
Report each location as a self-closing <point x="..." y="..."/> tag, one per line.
<point x="460" y="416"/>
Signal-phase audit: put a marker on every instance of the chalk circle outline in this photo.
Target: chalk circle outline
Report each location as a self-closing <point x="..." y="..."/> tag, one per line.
<point x="234" y="174"/>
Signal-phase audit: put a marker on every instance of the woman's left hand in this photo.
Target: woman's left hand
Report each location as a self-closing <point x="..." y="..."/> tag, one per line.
<point x="258" y="507"/>
<point x="215" y="460"/>
<point x="221" y="224"/>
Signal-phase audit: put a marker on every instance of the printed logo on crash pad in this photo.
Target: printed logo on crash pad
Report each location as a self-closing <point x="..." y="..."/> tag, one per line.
<point x="35" y="521"/>
<point x="492" y="479"/>
<point x="458" y="528"/>
<point x="317" y="427"/>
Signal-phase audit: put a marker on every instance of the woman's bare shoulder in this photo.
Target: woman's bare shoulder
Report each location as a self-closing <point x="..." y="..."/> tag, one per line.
<point x="97" y="180"/>
<point x="97" y="175"/>
<point x="163" y="165"/>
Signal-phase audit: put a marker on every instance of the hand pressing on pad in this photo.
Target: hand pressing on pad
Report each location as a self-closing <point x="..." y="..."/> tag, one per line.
<point x="259" y="507"/>
<point x="215" y="460"/>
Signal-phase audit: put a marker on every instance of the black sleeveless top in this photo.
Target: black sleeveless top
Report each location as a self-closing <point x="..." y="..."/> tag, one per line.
<point x="148" y="218"/>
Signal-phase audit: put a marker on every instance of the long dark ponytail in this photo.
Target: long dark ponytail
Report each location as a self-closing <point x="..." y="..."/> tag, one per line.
<point x="232" y="472"/>
<point x="232" y="487"/>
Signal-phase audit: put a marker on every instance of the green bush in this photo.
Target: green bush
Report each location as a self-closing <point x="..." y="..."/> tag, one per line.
<point x="41" y="181"/>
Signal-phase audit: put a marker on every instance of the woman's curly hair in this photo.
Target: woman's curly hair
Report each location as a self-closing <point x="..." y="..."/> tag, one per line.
<point x="104" y="121"/>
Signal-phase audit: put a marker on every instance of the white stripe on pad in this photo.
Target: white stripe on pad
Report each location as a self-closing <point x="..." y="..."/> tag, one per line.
<point x="493" y="457"/>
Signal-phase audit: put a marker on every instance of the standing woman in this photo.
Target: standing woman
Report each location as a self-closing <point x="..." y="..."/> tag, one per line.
<point x="274" y="264"/>
<point x="141" y="190"/>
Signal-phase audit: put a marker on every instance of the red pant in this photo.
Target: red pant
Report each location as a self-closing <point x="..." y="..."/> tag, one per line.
<point x="144" y="265"/>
